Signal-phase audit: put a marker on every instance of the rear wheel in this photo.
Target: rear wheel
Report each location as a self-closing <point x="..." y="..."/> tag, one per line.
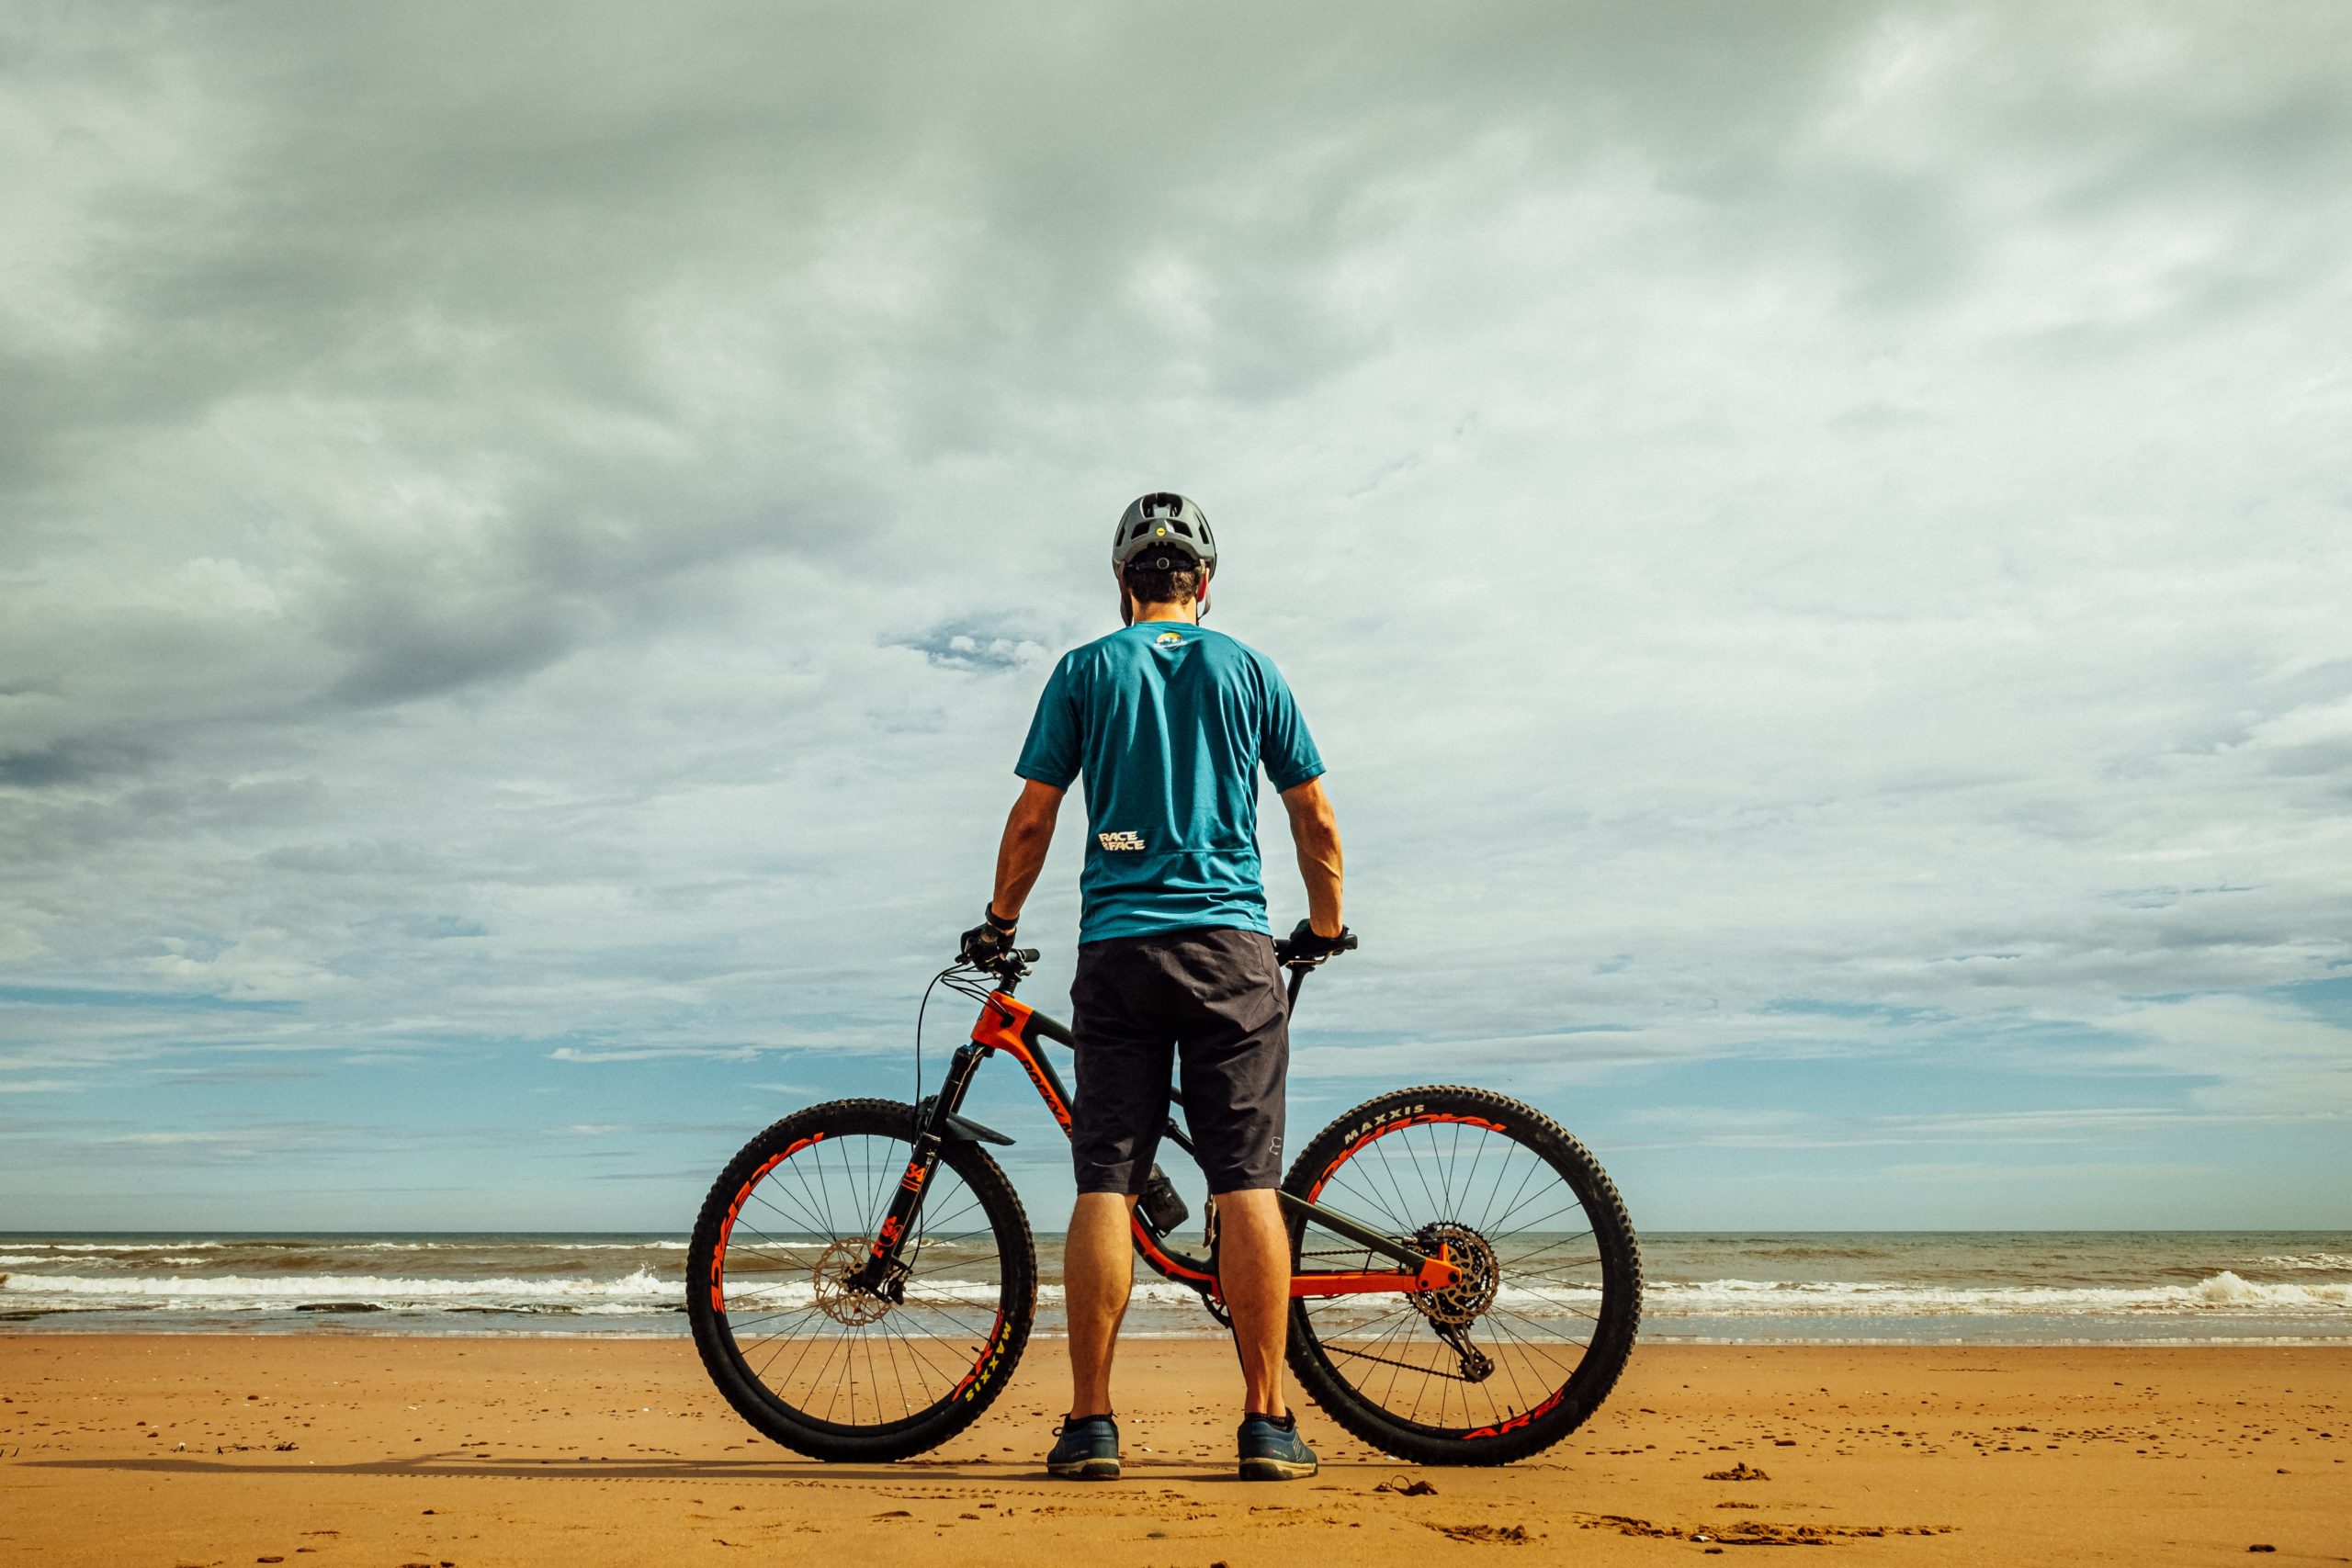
<point x="1524" y="1348"/>
<point x="804" y="1356"/>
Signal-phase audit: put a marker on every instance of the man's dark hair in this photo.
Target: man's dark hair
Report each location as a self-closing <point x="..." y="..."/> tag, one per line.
<point x="1154" y="585"/>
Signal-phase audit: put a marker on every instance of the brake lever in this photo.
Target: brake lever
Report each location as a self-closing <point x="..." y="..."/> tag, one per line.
<point x="1013" y="964"/>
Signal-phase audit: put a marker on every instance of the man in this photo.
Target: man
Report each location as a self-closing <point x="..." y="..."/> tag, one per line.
<point x="1170" y="723"/>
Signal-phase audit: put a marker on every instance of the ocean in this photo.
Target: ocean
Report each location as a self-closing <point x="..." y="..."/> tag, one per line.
<point x="2031" y="1287"/>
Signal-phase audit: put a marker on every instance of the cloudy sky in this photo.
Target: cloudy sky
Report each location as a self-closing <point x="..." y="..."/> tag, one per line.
<point x="1813" y="539"/>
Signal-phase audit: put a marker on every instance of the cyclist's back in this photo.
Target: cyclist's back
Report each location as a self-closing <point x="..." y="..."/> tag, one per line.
<point x="1169" y="722"/>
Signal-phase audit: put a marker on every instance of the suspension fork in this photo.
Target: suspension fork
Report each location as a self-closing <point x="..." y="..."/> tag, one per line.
<point x="884" y="1272"/>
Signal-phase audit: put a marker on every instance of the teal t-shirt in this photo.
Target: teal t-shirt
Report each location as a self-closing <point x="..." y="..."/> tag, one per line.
<point x="1169" y="722"/>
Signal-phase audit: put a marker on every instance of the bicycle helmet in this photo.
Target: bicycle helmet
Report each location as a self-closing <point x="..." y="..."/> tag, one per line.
<point x="1169" y="522"/>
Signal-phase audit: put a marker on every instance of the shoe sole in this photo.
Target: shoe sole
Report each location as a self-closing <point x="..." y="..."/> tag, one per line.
<point x="1085" y="1470"/>
<point x="1277" y="1470"/>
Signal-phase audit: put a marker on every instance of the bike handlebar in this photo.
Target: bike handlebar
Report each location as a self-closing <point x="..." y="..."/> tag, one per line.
<point x="1014" y="962"/>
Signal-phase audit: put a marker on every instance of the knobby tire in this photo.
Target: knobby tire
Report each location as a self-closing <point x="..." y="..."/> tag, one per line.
<point x="1559" y="1324"/>
<point x="819" y="1178"/>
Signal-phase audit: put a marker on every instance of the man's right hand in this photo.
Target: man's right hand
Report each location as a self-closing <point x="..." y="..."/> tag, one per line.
<point x="987" y="943"/>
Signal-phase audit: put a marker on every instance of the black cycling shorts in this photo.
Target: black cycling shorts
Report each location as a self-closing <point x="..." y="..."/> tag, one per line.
<point x="1208" y="1003"/>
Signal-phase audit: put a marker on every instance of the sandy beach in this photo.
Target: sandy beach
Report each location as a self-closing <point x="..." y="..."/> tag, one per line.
<point x="222" y="1450"/>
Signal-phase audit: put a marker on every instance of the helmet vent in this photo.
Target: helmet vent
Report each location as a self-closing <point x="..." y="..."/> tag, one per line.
<point x="1184" y="527"/>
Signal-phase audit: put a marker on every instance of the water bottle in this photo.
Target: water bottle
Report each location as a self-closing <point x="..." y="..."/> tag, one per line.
<point x="1162" y="1203"/>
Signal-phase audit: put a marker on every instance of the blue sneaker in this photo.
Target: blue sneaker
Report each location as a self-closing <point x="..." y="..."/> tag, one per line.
<point x="1272" y="1450"/>
<point x="1087" y="1448"/>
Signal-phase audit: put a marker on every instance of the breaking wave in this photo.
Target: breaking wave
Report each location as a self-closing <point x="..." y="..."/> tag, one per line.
<point x="2316" y="1262"/>
<point x="639" y="1292"/>
<point x="2222" y="1291"/>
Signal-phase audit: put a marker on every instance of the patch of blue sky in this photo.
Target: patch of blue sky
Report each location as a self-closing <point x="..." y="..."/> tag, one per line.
<point x="2330" y="998"/>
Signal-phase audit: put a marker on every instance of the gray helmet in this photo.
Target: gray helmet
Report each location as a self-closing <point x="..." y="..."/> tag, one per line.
<point x="1168" y="522"/>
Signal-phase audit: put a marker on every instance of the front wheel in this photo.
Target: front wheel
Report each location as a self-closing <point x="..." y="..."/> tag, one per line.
<point x="1518" y="1353"/>
<point x="805" y="1355"/>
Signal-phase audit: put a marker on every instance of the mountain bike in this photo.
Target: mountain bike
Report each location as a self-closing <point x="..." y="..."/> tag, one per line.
<point x="862" y="1278"/>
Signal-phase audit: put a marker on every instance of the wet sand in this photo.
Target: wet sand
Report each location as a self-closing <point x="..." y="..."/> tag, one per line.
<point x="455" y="1453"/>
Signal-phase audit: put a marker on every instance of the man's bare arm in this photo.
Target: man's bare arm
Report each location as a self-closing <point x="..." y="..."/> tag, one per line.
<point x="1027" y="834"/>
<point x="1316" y="830"/>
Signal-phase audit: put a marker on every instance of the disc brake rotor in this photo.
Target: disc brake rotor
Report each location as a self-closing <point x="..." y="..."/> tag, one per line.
<point x="836" y="1298"/>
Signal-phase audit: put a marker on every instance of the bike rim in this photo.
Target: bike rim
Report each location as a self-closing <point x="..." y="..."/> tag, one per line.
<point x="1533" y="1295"/>
<point x="825" y="1355"/>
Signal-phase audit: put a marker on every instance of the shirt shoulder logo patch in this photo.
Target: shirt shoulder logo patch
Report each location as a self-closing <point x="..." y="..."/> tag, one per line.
<point x="1169" y="639"/>
<point x="1120" y="840"/>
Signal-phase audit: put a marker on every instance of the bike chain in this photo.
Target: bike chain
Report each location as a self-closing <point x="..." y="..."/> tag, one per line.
<point x="1390" y="1361"/>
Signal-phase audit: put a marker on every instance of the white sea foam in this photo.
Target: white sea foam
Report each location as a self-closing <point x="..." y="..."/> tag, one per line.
<point x="2316" y="1262"/>
<point x="641" y="1291"/>
<point x="2223" y="1291"/>
<point x="610" y="1245"/>
<point x="415" y="1247"/>
<point x="54" y="1246"/>
<point x="495" y="1244"/>
<point x="1148" y="1293"/>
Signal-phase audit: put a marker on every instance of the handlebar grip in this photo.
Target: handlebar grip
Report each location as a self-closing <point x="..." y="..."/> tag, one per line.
<point x="1286" y="953"/>
<point x="1026" y="954"/>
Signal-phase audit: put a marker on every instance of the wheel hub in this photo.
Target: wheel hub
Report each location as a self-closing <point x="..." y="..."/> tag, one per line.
<point x="836" y="1297"/>
<point x="1470" y="1295"/>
